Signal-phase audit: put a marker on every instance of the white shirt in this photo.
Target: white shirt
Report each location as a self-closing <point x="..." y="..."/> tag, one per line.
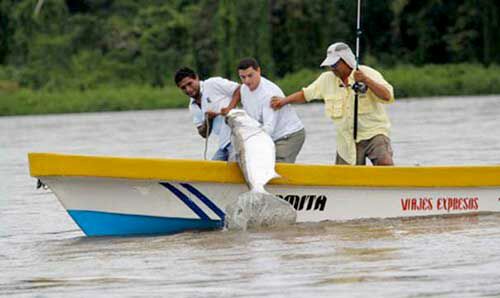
<point x="216" y="93"/>
<point x="257" y="104"/>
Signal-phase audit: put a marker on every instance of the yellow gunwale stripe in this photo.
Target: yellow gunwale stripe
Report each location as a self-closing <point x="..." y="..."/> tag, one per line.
<point x="50" y="164"/>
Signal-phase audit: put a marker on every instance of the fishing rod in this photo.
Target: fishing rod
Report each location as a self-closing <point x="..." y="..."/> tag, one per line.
<point x="358" y="87"/>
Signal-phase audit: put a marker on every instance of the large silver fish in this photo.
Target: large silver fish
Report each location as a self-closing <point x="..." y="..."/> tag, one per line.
<point x="254" y="150"/>
<point x="256" y="156"/>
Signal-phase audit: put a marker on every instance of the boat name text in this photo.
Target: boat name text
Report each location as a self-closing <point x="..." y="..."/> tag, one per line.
<point x="441" y="203"/>
<point x="305" y="202"/>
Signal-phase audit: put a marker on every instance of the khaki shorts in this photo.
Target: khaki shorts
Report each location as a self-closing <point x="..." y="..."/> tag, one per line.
<point x="288" y="147"/>
<point x="375" y="149"/>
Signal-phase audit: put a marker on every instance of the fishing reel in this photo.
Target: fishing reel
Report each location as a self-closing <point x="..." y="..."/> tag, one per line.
<point x="359" y="87"/>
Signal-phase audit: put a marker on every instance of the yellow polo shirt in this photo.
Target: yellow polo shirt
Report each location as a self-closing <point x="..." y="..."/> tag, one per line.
<point x="339" y="106"/>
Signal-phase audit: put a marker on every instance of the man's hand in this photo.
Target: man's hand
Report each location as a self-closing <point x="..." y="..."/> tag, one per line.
<point x="211" y="115"/>
<point x="360" y="76"/>
<point x="277" y="102"/>
<point x="225" y="110"/>
<point x="379" y="89"/>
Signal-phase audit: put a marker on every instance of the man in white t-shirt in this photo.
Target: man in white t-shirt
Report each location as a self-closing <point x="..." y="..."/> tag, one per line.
<point x="284" y="126"/>
<point x="206" y="98"/>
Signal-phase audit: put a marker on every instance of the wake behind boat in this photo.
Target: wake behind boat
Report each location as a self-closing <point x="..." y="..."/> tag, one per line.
<point x="140" y="196"/>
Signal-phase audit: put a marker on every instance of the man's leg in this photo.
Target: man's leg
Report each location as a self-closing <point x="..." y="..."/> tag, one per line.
<point x="222" y="153"/>
<point x="379" y="151"/>
<point x="339" y="160"/>
<point x="360" y="155"/>
<point x="289" y="147"/>
<point x="360" y="159"/>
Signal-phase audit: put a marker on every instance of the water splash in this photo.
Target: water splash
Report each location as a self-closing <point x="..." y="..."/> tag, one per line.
<point x="255" y="209"/>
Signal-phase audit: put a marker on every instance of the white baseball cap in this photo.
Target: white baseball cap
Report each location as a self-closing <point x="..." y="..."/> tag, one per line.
<point x="337" y="51"/>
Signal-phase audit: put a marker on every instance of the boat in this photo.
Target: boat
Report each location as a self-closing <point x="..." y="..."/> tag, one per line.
<point x="125" y="196"/>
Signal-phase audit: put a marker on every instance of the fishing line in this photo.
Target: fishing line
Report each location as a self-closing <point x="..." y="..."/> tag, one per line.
<point x="207" y="125"/>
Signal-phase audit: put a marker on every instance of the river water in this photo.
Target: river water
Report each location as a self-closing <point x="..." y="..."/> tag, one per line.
<point x="44" y="254"/>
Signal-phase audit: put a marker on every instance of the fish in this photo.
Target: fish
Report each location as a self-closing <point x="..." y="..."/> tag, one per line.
<point x="255" y="153"/>
<point x="254" y="150"/>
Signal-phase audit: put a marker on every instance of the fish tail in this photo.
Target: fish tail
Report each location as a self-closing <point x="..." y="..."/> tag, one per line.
<point x="259" y="189"/>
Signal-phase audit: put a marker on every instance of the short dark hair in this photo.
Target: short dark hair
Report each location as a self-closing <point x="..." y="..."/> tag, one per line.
<point x="182" y="73"/>
<point x="248" y="62"/>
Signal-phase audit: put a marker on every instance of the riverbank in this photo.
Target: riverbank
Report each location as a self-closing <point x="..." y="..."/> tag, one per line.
<point x="408" y="81"/>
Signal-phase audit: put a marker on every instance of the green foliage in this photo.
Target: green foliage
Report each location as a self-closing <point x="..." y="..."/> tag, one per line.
<point x="408" y="81"/>
<point x="6" y="29"/>
<point x="164" y="41"/>
<point x="293" y="82"/>
<point x="225" y="37"/>
<point x="204" y="41"/>
<point x="85" y="45"/>
<point x="315" y="24"/>
<point x="436" y="80"/>
<point x="429" y="80"/>
<point x="104" y="98"/>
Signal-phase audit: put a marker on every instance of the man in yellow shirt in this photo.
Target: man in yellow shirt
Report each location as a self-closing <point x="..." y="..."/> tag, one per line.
<point x="335" y="88"/>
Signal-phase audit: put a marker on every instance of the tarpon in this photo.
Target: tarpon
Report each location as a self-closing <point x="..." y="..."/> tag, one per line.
<point x="254" y="149"/>
<point x="256" y="155"/>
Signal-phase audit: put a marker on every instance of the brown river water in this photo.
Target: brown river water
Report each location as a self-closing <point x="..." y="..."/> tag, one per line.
<point x="44" y="254"/>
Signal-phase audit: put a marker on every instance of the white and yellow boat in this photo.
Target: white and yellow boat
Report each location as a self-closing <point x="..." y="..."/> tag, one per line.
<point x="138" y="196"/>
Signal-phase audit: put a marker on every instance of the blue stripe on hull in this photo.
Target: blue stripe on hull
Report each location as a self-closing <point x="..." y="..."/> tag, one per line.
<point x="204" y="199"/>
<point x="95" y="223"/>
<point x="186" y="200"/>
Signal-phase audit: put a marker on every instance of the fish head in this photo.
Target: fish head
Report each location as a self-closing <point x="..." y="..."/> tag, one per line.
<point x="239" y="118"/>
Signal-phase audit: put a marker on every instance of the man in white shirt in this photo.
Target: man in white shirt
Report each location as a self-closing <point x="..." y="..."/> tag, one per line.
<point x="284" y="126"/>
<point x="206" y="98"/>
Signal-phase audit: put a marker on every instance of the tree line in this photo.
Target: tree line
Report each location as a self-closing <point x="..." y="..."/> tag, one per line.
<point x="56" y="44"/>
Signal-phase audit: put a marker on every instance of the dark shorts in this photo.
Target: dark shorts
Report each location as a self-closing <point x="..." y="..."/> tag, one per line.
<point x="377" y="149"/>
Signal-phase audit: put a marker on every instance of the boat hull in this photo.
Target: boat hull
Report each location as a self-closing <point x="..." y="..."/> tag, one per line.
<point x="140" y="196"/>
<point x="114" y="206"/>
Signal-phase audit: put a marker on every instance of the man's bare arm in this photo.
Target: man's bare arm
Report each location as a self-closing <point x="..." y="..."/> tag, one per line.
<point x="234" y="102"/>
<point x="205" y="130"/>
<point x="278" y="102"/>
<point x="380" y="90"/>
